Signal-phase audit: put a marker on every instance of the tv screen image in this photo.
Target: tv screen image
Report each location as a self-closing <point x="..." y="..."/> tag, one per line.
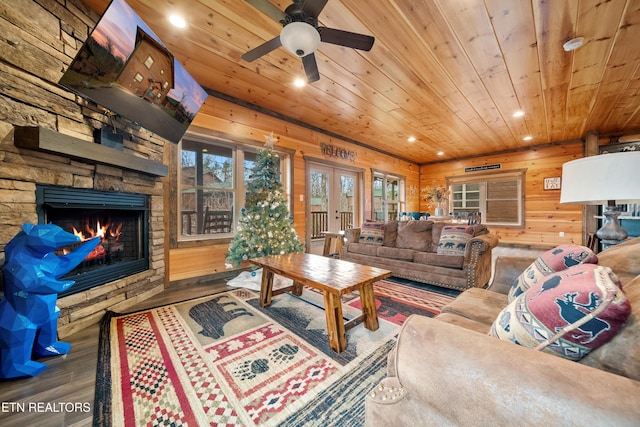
<point x="124" y="67"/>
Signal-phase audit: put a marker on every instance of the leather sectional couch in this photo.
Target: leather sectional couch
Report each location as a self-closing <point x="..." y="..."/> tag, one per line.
<point x="455" y="256"/>
<point x="447" y="370"/>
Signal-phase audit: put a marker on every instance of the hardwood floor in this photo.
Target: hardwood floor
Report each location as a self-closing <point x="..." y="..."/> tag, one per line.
<point x="62" y="395"/>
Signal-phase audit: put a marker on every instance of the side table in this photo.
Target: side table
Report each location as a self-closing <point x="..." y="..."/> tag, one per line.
<point x="331" y="238"/>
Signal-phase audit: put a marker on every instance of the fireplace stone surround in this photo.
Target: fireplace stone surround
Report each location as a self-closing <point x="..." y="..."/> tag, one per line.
<point x="47" y="138"/>
<point x="30" y="170"/>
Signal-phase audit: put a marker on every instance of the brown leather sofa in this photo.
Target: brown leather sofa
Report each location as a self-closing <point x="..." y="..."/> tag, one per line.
<point x="410" y="251"/>
<point x="447" y="371"/>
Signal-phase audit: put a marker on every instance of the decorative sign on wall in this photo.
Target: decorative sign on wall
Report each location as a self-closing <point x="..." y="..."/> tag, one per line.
<point x="341" y="153"/>
<point x="552" y="183"/>
<point x="483" y="168"/>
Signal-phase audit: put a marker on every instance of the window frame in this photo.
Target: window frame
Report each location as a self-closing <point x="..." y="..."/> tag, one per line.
<point x="518" y="175"/>
<point x="238" y="188"/>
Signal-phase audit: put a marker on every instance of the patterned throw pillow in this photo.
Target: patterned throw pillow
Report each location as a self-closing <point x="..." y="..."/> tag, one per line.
<point x="372" y="233"/>
<point x="453" y="239"/>
<point x="556" y="303"/>
<point x="554" y="260"/>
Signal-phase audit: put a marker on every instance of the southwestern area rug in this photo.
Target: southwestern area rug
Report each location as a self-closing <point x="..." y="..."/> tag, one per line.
<point x="223" y="360"/>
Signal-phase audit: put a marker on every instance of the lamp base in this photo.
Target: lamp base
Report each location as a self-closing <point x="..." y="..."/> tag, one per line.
<point x="611" y="233"/>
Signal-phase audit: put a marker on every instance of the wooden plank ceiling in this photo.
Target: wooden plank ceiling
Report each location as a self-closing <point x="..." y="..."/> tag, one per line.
<point x="449" y="72"/>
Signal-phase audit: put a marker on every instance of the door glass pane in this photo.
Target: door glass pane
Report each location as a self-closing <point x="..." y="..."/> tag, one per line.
<point x="347" y="189"/>
<point x="392" y="211"/>
<point x="377" y="202"/>
<point x="319" y="203"/>
<point x="392" y="189"/>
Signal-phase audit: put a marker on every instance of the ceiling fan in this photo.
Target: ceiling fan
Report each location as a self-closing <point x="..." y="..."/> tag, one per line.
<point x="301" y="34"/>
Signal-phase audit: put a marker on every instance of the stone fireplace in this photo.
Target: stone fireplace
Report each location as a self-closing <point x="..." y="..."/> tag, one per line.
<point x="47" y="141"/>
<point x="119" y="219"/>
<point x="94" y="189"/>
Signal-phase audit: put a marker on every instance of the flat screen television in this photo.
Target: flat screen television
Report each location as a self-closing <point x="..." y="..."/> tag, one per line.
<point x="125" y="68"/>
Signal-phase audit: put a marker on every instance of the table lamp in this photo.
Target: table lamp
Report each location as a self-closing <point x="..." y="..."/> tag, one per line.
<point x="606" y="179"/>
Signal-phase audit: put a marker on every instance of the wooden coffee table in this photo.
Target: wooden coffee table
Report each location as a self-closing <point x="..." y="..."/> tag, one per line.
<point x="334" y="277"/>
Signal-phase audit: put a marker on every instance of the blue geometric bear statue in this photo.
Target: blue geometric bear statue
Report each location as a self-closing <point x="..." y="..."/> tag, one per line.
<point x="28" y="312"/>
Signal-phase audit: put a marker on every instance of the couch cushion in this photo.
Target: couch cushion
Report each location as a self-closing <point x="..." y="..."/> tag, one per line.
<point x="556" y="303"/>
<point x="362" y="248"/>
<point x="395" y="253"/>
<point x="453" y="239"/>
<point x="621" y="355"/>
<point x="430" y="258"/>
<point x="477" y="304"/>
<point x="554" y="260"/>
<point x="372" y="233"/>
<point x="390" y="233"/>
<point x="414" y="235"/>
<point x="435" y="235"/>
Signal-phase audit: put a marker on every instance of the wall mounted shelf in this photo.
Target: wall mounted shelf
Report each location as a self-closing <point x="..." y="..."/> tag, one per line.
<point x="47" y="140"/>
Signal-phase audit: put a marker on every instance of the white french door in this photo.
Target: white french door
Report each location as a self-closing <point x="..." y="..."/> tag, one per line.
<point x="333" y="196"/>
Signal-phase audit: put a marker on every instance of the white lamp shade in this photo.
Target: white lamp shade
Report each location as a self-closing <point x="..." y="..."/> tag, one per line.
<point x="595" y="180"/>
<point x="300" y="38"/>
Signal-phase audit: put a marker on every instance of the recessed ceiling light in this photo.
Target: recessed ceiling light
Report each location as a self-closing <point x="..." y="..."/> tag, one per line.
<point x="518" y="113"/>
<point x="177" y="21"/>
<point x="299" y="82"/>
<point x="440" y="153"/>
<point x="411" y="139"/>
<point x="527" y="138"/>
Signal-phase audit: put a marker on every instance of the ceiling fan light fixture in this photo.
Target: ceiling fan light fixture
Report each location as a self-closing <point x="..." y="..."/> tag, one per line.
<point x="300" y="38"/>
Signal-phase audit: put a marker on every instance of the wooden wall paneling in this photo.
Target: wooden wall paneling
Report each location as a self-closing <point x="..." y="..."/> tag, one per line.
<point x="222" y="117"/>
<point x="197" y="261"/>
<point x="545" y="217"/>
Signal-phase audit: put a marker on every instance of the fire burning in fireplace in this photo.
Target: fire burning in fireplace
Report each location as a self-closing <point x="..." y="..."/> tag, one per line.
<point x="109" y="246"/>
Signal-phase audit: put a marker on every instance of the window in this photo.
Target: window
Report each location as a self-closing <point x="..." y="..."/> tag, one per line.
<point x="498" y="197"/>
<point x="148" y="62"/>
<point x="388" y="195"/>
<point x="210" y="198"/>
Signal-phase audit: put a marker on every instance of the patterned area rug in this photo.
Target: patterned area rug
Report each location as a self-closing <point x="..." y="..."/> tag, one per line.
<point x="224" y="360"/>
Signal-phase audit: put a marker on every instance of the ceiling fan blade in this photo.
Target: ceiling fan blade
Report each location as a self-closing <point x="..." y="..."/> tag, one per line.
<point x="261" y="50"/>
<point x="268" y="9"/>
<point x="314" y="7"/>
<point x="311" y="68"/>
<point x="346" y="38"/>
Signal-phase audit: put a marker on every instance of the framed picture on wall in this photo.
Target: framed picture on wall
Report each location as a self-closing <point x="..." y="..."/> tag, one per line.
<point x="552" y="183"/>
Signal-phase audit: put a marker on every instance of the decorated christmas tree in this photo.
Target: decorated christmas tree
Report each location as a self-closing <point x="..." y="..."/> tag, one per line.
<point x="265" y="226"/>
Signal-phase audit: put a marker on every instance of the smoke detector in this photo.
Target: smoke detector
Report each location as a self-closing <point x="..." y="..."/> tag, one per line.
<point x="573" y="44"/>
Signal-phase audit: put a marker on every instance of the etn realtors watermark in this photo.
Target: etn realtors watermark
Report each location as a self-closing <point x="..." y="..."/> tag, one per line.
<point x="44" y="407"/>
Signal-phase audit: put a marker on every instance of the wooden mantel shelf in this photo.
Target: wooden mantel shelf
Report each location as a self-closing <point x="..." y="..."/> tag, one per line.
<point x="41" y="139"/>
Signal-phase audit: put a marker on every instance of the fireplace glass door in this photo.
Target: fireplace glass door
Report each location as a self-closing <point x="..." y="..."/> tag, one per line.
<point x="119" y="219"/>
